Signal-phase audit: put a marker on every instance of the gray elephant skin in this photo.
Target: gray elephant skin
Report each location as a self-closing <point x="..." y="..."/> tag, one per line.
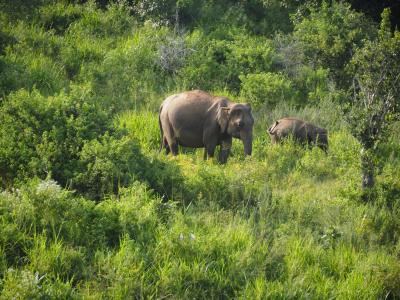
<point x="302" y="132"/>
<point x="197" y="119"/>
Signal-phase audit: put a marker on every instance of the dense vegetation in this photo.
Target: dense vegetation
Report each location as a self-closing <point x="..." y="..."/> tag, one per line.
<point x="90" y="209"/>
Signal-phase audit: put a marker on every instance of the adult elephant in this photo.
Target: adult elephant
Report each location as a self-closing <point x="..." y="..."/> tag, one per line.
<point x="197" y="119"/>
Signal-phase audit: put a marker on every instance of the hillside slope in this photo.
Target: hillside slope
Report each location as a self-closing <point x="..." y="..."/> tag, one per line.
<point x="89" y="208"/>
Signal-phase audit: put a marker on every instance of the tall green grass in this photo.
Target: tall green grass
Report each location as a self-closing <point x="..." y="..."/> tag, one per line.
<point x="284" y="223"/>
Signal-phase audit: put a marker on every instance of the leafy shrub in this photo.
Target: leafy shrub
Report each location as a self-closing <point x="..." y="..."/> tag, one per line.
<point x="49" y="133"/>
<point x="78" y="53"/>
<point x="115" y="21"/>
<point x="58" y="16"/>
<point x="330" y="34"/>
<point x="312" y="85"/>
<point x="130" y="74"/>
<point x="31" y="71"/>
<point x="9" y="76"/>
<point x="6" y="36"/>
<point x="30" y="39"/>
<point x="13" y="244"/>
<point x="267" y="89"/>
<point x="107" y="164"/>
<point x="30" y="60"/>
<point x="217" y="63"/>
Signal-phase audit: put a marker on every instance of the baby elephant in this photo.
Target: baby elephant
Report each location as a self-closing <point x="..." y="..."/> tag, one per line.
<point x="302" y="132"/>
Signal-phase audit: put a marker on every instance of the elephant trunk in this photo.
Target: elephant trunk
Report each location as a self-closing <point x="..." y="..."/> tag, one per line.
<point x="247" y="139"/>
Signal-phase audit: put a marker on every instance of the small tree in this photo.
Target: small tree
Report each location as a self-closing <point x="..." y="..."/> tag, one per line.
<point x="375" y="103"/>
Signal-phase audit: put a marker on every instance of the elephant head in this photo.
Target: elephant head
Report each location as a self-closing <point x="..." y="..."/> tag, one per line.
<point x="236" y="119"/>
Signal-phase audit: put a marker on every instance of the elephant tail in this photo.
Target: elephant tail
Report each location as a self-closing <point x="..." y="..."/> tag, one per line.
<point x="161" y="129"/>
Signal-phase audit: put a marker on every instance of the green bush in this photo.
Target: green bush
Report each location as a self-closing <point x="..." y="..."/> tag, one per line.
<point x="78" y="53"/>
<point x="216" y="63"/>
<point x="13" y="244"/>
<point x="330" y="34"/>
<point x="96" y="23"/>
<point x="6" y="37"/>
<point x="129" y="75"/>
<point x="106" y="164"/>
<point x="267" y="89"/>
<point x="49" y="133"/>
<point x="313" y="85"/>
<point x="30" y="60"/>
<point x="59" y="16"/>
<point x="31" y="71"/>
<point x="143" y="127"/>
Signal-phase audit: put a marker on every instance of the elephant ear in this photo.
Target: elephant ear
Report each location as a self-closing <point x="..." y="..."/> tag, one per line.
<point x="223" y="118"/>
<point x="248" y="106"/>
<point x="271" y="129"/>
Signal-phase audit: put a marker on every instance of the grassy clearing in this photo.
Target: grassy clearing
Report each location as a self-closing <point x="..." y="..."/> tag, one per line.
<point x="282" y="224"/>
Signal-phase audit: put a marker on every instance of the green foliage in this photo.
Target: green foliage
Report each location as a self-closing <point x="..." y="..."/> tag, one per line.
<point x="128" y="75"/>
<point x="28" y="285"/>
<point x="377" y="84"/>
<point x="376" y="69"/>
<point x="115" y="21"/>
<point x="267" y="89"/>
<point x="48" y="133"/>
<point x="329" y="35"/>
<point x="257" y="16"/>
<point x="59" y="16"/>
<point x="61" y="262"/>
<point x="143" y="127"/>
<point x="217" y="63"/>
<point x="80" y="87"/>
<point x="107" y="164"/>
<point x="211" y="260"/>
<point x="29" y="63"/>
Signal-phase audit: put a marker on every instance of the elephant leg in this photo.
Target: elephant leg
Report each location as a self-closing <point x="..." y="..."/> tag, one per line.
<point x="210" y="141"/>
<point x="167" y="149"/>
<point x="174" y="148"/>
<point x="223" y="156"/>
<point x="164" y="144"/>
<point x="210" y="148"/>
<point x="210" y="151"/>
<point x="170" y="142"/>
<point x="226" y="146"/>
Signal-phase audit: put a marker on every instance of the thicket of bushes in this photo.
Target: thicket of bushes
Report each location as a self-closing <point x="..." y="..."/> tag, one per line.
<point x="89" y="208"/>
